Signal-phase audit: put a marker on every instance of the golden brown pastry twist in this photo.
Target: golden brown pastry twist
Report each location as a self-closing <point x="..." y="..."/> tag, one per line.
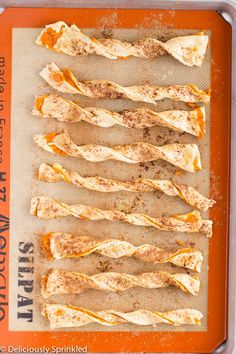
<point x="63" y="245"/>
<point x="65" y="81"/>
<point x="52" y="105"/>
<point x="45" y="207"/>
<point x="61" y="316"/>
<point x="61" y="282"/>
<point x="189" y="50"/>
<point x="57" y="173"/>
<point x="185" y="156"/>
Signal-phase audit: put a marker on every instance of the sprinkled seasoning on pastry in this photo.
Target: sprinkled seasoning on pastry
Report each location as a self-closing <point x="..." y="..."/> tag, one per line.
<point x="58" y="245"/>
<point x="185" y="156"/>
<point x="52" y="105"/>
<point x="63" y="80"/>
<point x="57" y="173"/>
<point x="61" y="282"/>
<point x="45" y="207"/>
<point x="60" y="316"/>
<point x="189" y="50"/>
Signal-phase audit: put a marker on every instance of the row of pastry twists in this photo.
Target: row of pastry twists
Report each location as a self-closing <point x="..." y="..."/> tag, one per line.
<point x="55" y="282"/>
<point x="189" y="50"/>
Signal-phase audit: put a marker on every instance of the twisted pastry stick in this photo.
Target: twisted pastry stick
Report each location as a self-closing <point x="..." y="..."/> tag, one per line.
<point x="192" y="122"/>
<point x="46" y="208"/>
<point x="65" y="81"/>
<point x="70" y="316"/>
<point x="185" y="156"/>
<point x="57" y="173"/>
<point x="62" y="245"/>
<point x="57" y="282"/>
<point x="189" y="50"/>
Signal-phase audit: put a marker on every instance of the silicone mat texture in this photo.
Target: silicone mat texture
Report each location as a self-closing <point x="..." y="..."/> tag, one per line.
<point x="27" y="61"/>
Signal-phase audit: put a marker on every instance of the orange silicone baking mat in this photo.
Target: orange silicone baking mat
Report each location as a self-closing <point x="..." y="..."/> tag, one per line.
<point x="156" y="340"/>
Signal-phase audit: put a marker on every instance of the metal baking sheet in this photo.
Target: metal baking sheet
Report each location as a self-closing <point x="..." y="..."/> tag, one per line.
<point x="219" y="170"/>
